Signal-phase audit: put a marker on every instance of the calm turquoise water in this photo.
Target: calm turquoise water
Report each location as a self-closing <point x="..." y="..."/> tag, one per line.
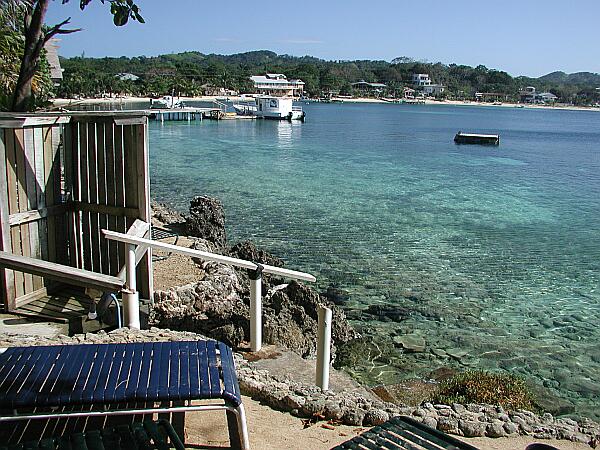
<point x="495" y="251"/>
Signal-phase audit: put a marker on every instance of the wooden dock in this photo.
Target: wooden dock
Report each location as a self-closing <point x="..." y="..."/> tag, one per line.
<point x="184" y="114"/>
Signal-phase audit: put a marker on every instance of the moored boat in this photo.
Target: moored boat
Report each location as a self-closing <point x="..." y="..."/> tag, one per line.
<point x="271" y="107"/>
<point x="473" y="138"/>
<point x="166" y="102"/>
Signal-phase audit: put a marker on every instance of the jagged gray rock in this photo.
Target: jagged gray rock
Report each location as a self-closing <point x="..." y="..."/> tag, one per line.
<point x="206" y="220"/>
<point x="165" y="214"/>
<point x="218" y="305"/>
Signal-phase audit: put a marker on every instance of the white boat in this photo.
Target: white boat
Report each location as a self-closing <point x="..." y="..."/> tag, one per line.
<point x="278" y="108"/>
<point x="166" y="102"/>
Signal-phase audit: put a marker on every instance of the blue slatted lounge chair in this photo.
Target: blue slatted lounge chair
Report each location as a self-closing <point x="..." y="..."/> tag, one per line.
<point x="146" y="435"/>
<point x="104" y="379"/>
<point x="404" y="433"/>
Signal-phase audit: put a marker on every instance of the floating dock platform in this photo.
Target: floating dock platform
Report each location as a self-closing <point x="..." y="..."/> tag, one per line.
<point x="472" y="138"/>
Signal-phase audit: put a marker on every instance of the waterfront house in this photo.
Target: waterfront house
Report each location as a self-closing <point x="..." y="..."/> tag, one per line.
<point x="527" y="95"/>
<point x="546" y="98"/>
<point x="421" y="79"/>
<point x="278" y="85"/>
<point x="408" y="92"/>
<point x="365" y="88"/>
<point x="434" y="89"/>
<point x="490" y="97"/>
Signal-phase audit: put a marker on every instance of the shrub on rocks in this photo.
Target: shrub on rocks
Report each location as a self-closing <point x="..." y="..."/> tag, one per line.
<point x="477" y="386"/>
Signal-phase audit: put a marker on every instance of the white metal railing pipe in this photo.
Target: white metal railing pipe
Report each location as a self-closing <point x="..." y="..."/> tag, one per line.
<point x="128" y="239"/>
<point x="255" y="271"/>
<point x="323" y="347"/>
<point x="255" y="309"/>
<point x="131" y="296"/>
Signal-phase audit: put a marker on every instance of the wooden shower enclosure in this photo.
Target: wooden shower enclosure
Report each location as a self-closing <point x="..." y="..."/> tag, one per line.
<point x="63" y="178"/>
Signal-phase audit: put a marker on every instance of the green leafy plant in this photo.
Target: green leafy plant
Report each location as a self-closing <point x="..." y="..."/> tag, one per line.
<point x="477" y="386"/>
<point x="26" y="17"/>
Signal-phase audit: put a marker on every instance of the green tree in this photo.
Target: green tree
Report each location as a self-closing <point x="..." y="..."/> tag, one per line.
<point x="36" y="35"/>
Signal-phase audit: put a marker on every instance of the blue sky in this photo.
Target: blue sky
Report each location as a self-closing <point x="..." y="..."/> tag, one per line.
<point x="526" y="37"/>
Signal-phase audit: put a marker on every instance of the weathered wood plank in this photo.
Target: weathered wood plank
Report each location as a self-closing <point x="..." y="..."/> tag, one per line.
<point x="60" y="176"/>
<point x="51" y="311"/>
<point x="71" y="161"/>
<point x="7" y="278"/>
<point x="60" y="272"/>
<point x="13" y="207"/>
<point x="84" y="196"/>
<point x="139" y="228"/>
<point x="57" y="305"/>
<point x="49" y="190"/>
<point x="31" y="296"/>
<point x="37" y="315"/>
<point x="146" y="282"/>
<point x="102" y="197"/>
<point x="37" y="214"/>
<point x="106" y="209"/>
<point x="20" y="121"/>
<point x="111" y="195"/>
<point x="93" y="198"/>
<point x="130" y="120"/>
<point x="39" y="237"/>
<point x="110" y="116"/>
<point x="130" y="147"/>
<point x="130" y="166"/>
<point x="24" y="200"/>
<point x="79" y="301"/>
<point x="120" y="187"/>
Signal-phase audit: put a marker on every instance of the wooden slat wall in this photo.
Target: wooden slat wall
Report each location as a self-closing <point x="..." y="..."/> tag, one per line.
<point x="29" y="178"/>
<point x="97" y="163"/>
<point x="114" y="190"/>
<point x="7" y="277"/>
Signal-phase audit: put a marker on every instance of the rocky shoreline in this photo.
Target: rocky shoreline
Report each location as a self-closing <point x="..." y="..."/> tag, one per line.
<point x="351" y="408"/>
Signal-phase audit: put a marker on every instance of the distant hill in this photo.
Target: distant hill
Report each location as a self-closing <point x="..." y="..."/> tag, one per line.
<point x="578" y="78"/>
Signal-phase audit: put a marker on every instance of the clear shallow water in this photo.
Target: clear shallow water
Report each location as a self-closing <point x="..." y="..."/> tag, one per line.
<point x="495" y="251"/>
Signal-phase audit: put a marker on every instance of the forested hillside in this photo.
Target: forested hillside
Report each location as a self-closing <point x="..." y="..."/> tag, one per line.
<point x="189" y="73"/>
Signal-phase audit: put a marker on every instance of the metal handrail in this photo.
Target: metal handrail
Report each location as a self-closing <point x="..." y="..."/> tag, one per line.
<point x="131" y="296"/>
<point x="244" y="264"/>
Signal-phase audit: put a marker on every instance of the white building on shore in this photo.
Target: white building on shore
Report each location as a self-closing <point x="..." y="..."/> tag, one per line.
<point x="369" y="88"/>
<point x="278" y="85"/>
<point x="434" y="89"/>
<point x="421" y="79"/>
